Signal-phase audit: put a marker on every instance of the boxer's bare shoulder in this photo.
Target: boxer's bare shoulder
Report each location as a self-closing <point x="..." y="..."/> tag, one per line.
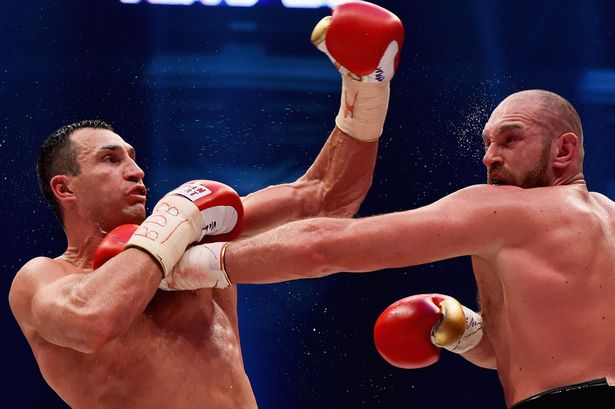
<point x="34" y="275"/>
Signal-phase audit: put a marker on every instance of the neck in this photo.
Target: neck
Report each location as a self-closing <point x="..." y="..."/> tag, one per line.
<point x="83" y="237"/>
<point x="576" y="179"/>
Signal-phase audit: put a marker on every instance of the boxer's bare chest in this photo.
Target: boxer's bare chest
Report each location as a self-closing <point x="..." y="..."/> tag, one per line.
<point x="181" y="339"/>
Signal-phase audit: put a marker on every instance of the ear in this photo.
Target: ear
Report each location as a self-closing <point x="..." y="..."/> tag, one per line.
<point x="567" y="146"/>
<point x="60" y="186"/>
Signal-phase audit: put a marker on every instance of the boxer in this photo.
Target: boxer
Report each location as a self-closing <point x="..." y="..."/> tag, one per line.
<point x="541" y="244"/>
<point x="107" y="337"/>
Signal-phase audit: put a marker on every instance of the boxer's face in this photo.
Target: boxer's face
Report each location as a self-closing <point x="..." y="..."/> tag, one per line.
<point x="517" y="149"/>
<point x="110" y="187"/>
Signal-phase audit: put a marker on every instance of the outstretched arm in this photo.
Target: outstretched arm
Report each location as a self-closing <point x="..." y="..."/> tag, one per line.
<point x="478" y="221"/>
<point x="473" y="221"/>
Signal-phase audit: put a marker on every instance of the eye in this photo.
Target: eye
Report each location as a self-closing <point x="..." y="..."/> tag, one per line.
<point x="511" y="139"/>
<point x="111" y="159"/>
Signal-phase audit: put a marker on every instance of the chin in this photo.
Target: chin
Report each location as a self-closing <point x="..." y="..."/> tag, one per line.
<point x="132" y="215"/>
<point x="137" y="218"/>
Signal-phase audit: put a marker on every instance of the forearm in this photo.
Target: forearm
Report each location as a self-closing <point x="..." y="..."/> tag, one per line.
<point x="322" y="246"/>
<point x="344" y="170"/>
<point x="271" y="257"/>
<point x="84" y="312"/>
<point x="303" y="249"/>
<point x="334" y="185"/>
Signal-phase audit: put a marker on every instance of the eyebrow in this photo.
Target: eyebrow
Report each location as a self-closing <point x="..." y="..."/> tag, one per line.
<point x="114" y="148"/>
<point x="511" y="127"/>
<point x="506" y="128"/>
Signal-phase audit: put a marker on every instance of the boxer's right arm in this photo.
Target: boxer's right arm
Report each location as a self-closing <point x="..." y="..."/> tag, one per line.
<point x="83" y="311"/>
<point x="334" y="185"/>
<point x="363" y="41"/>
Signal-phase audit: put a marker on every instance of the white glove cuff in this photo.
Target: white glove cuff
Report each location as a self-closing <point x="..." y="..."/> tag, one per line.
<point x="201" y="266"/>
<point x="363" y="108"/>
<point x="473" y="334"/>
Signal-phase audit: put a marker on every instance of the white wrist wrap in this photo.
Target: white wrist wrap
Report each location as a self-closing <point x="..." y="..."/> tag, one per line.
<point x="473" y="334"/>
<point x="174" y="223"/>
<point x="201" y="266"/>
<point x="363" y="108"/>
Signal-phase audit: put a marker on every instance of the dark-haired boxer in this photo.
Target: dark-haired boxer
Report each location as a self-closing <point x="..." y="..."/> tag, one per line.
<point x="105" y="337"/>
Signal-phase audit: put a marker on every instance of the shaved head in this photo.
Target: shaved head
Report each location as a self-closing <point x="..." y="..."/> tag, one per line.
<point x="553" y="108"/>
<point x="548" y="131"/>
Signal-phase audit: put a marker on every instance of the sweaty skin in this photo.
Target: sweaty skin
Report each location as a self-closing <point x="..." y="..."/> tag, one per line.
<point x="107" y="338"/>
<point x="183" y="351"/>
<point x="545" y="296"/>
<point x="542" y="249"/>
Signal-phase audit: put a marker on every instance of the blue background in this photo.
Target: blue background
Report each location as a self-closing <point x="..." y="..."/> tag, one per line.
<point x="240" y="95"/>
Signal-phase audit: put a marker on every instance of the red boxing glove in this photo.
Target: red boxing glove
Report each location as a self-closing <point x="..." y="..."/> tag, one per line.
<point x="221" y="208"/>
<point x="409" y="333"/>
<point x="363" y="38"/>
<point x="112" y="244"/>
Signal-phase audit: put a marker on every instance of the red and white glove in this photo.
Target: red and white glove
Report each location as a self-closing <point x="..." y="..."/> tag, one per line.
<point x="184" y="216"/>
<point x="201" y="266"/>
<point x="410" y="332"/>
<point x="363" y="40"/>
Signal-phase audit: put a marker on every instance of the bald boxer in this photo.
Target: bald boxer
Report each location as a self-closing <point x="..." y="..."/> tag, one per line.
<point x="106" y="337"/>
<point x="542" y="248"/>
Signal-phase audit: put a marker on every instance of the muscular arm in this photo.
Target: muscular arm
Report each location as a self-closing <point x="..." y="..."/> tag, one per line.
<point x="83" y="311"/>
<point x="335" y="185"/>
<point x="468" y="222"/>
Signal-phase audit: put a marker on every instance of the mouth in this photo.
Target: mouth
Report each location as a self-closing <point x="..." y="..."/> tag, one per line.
<point x="138" y="191"/>
<point x="496" y="180"/>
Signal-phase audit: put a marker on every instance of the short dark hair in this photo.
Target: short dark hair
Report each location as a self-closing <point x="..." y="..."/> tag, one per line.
<point x="58" y="156"/>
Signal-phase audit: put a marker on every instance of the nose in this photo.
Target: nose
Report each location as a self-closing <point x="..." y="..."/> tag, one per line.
<point x="491" y="156"/>
<point x="133" y="172"/>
